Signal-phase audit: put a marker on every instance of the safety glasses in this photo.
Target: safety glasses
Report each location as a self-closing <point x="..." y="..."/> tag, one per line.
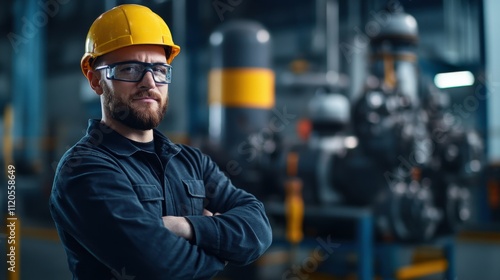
<point x="134" y="71"/>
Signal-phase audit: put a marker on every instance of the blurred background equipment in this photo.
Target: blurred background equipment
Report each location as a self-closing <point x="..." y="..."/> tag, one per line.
<point x="240" y="97"/>
<point x="379" y="154"/>
<point x="393" y="150"/>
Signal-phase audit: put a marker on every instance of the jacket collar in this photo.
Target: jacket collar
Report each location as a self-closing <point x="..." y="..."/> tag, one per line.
<point x="102" y="135"/>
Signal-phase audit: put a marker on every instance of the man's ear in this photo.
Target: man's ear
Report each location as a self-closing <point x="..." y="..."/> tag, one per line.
<point x="94" y="81"/>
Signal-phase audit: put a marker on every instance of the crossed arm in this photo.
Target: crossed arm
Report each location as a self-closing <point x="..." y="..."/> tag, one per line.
<point x="98" y="193"/>
<point x="181" y="226"/>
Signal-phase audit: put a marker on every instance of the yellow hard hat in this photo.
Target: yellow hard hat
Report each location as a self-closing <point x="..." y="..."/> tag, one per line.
<point x="126" y="25"/>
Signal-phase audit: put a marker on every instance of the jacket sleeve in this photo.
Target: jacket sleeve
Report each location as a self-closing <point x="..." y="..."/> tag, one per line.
<point x="93" y="201"/>
<point x="242" y="232"/>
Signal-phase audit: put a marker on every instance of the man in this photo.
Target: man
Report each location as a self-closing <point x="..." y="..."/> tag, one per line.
<point x="127" y="202"/>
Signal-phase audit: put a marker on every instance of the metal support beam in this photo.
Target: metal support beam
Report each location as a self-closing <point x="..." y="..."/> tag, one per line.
<point x="365" y="249"/>
<point x="492" y="60"/>
<point x="178" y="121"/>
<point x="28" y="43"/>
<point x="450" y="254"/>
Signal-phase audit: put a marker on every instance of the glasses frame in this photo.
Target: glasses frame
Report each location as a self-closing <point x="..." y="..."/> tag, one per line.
<point x="148" y="68"/>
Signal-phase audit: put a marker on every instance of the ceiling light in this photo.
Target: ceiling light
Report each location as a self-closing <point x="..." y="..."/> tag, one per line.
<point x="454" y="79"/>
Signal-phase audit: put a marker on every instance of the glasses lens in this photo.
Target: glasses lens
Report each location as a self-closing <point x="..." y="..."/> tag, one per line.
<point x="134" y="72"/>
<point x="162" y="73"/>
<point x="127" y="71"/>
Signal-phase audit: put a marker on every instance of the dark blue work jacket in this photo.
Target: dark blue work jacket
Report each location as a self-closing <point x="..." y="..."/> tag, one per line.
<point x="108" y="200"/>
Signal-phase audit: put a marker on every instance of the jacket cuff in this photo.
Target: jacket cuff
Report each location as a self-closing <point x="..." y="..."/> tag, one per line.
<point x="205" y="233"/>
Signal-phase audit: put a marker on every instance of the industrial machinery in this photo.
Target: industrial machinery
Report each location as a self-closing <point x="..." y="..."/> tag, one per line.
<point x="394" y="150"/>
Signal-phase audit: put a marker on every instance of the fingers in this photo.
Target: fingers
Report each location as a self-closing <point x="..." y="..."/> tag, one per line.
<point x="208" y="213"/>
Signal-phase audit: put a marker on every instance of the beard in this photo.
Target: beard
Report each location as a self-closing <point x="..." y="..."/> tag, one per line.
<point x="123" y="110"/>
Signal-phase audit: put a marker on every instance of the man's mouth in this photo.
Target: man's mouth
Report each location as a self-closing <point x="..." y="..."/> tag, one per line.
<point x="146" y="99"/>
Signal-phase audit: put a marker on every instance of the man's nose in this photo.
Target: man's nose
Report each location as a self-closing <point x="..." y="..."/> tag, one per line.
<point x="147" y="80"/>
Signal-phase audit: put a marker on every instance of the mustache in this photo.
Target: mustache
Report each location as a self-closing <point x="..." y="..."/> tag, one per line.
<point x="149" y="93"/>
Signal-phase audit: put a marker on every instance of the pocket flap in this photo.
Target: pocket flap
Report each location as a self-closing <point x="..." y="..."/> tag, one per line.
<point x="147" y="192"/>
<point x="195" y="188"/>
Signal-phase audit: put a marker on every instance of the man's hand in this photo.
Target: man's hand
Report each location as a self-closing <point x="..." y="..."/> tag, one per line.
<point x="208" y="213"/>
<point x="180" y="225"/>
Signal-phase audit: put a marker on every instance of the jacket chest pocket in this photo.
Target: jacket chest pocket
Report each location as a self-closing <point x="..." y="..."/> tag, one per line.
<point x="195" y="191"/>
<point x="150" y="198"/>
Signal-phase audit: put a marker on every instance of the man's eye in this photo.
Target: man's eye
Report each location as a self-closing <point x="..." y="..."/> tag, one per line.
<point x="129" y="69"/>
<point x="160" y="69"/>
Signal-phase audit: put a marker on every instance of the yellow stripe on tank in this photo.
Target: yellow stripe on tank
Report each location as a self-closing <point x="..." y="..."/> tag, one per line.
<point x="241" y="87"/>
